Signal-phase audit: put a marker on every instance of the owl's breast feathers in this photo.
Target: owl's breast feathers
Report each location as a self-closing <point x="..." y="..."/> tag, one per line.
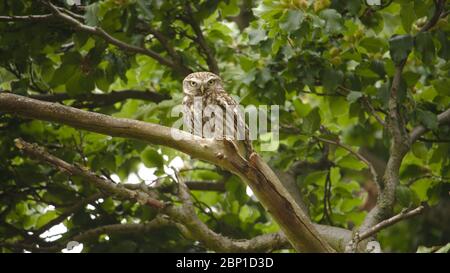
<point x="226" y="103"/>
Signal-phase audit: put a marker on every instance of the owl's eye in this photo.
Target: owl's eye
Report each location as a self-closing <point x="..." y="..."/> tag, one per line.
<point x="210" y="82"/>
<point x="193" y="84"/>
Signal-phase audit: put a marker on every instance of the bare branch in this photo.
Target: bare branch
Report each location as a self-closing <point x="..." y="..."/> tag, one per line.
<point x="405" y="214"/>
<point x="372" y="110"/>
<point x="27" y="18"/>
<point x="100" y="100"/>
<point x="39" y="153"/>
<point x="92" y="234"/>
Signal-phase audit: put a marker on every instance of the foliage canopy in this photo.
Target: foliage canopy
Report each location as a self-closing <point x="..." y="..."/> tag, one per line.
<point x="330" y="65"/>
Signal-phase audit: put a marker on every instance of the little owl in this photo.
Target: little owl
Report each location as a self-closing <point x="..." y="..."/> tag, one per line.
<point x="204" y="93"/>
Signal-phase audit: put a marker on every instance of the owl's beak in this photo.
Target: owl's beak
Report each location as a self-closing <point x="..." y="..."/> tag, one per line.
<point x="202" y="88"/>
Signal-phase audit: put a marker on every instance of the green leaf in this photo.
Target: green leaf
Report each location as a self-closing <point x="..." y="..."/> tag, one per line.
<point x="411" y="78"/>
<point x="291" y="20"/>
<point x="256" y="35"/>
<point x="20" y="86"/>
<point x="62" y="74"/>
<point x="350" y="162"/>
<point x="420" y="150"/>
<point x="331" y="79"/>
<point x="335" y="175"/>
<point x="151" y="158"/>
<point x="230" y="9"/>
<point x="374" y="44"/>
<point x="80" y="84"/>
<point x="428" y="119"/>
<point x="90" y="16"/>
<point x="301" y="108"/>
<point x="375" y="21"/>
<point x="421" y="187"/>
<point x="400" y="47"/>
<point x="444" y="249"/>
<point x="333" y="20"/>
<point x="44" y="219"/>
<point x="408" y="15"/>
<point x="354" y="96"/>
<point x="404" y="196"/>
<point x="248" y="214"/>
<point x="146" y="10"/>
<point x="444" y="40"/>
<point x="425" y="46"/>
<point x="338" y="106"/>
<point x="317" y="178"/>
<point x="311" y="122"/>
<point x="442" y="86"/>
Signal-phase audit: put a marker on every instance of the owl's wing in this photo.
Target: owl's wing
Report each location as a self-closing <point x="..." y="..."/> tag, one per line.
<point x="225" y="101"/>
<point x="188" y="118"/>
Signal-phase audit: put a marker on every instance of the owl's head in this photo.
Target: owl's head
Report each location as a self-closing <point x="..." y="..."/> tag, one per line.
<point x="201" y="83"/>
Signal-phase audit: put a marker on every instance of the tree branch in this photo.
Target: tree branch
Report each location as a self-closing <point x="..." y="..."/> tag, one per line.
<point x="99" y="100"/>
<point x="439" y="9"/>
<point x="200" y="39"/>
<point x="39" y="153"/>
<point x="405" y="214"/>
<point x="97" y="31"/>
<point x="69" y="211"/>
<point x="27" y="18"/>
<point x="192" y="185"/>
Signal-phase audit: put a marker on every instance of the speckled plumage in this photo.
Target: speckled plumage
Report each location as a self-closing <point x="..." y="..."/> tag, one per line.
<point x="209" y="87"/>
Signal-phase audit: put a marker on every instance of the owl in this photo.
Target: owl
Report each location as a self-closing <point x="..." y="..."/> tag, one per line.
<point x="204" y="93"/>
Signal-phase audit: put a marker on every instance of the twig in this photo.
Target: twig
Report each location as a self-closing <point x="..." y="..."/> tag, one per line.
<point x="372" y="110"/>
<point x="327" y="212"/>
<point x="27" y="18"/>
<point x="439" y="9"/>
<point x="405" y="214"/>
<point x="356" y="154"/>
